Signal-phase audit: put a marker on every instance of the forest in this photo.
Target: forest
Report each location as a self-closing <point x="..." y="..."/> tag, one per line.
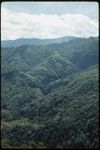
<point x="50" y="95"/>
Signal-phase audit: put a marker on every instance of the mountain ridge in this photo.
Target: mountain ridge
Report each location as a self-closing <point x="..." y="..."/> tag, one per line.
<point x="34" y="41"/>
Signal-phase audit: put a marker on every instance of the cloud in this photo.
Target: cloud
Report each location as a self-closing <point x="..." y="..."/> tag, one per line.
<point x="19" y="24"/>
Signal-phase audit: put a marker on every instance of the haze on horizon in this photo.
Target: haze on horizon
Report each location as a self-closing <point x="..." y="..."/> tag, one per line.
<point x="48" y="19"/>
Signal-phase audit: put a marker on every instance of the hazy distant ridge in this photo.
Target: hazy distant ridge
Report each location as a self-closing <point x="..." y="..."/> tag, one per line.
<point x="34" y="41"/>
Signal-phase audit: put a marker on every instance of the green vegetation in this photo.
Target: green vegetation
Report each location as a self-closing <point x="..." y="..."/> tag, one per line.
<point x="49" y="95"/>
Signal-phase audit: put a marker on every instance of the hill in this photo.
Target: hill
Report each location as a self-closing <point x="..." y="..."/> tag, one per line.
<point x="34" y="41"/>
<point x="49" y="95"/>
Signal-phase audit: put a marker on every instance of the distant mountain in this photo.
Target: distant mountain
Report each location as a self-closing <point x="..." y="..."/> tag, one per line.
<point x="34" y="41"/>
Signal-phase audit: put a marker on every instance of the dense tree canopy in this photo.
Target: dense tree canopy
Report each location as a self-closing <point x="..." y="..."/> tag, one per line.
<point x="49" y="95"/>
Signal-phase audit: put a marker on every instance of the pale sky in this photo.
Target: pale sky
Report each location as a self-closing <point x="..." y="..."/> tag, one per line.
<point x="48" y="19"/>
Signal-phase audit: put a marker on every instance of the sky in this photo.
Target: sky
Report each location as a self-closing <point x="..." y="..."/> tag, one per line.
<point x="48" y="19"/>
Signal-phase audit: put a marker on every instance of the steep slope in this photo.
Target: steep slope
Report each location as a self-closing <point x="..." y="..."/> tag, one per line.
<point x="53" y="68"/>
<point x="49" y="95"/>
<point x="69" y="112"/>
<point x="81" y="51"/>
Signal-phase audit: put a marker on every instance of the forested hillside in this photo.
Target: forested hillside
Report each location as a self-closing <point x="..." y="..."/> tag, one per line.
<point x="50" y="95"/>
